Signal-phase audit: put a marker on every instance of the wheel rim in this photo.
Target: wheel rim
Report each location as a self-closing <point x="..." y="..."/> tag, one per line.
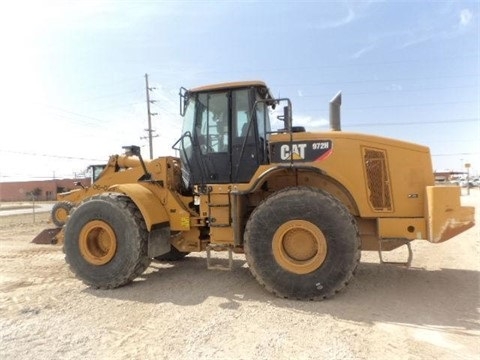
<point x="61" y="215"/>
<point x="98" y="242"/>
<point x="299" y="246"/>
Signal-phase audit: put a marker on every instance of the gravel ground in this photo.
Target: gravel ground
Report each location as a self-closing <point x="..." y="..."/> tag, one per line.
<point x="184" y="311"/>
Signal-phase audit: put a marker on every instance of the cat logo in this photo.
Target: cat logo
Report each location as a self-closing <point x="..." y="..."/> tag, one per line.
<point x="304" y="151"/>
<point x="296" y="153"/>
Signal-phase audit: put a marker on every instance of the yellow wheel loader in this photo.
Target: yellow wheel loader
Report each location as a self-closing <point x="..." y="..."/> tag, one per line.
<point x="120" y="169"/>
<point x="67" y="200"/>
<point x="300" y="205"/>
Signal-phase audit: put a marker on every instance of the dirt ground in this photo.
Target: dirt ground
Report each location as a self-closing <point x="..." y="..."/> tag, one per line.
<point x="184" y="311"/>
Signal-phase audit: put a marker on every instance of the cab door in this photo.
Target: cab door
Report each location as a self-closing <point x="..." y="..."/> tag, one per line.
<point x="212" y="135"/>
<point x="248" y="135"/>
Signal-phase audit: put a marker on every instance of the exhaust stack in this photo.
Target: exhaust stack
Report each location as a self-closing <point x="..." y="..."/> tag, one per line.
<point x="335" y="104"/>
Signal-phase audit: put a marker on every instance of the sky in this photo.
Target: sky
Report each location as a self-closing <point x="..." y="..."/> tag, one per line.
<point x="72" y="73"/>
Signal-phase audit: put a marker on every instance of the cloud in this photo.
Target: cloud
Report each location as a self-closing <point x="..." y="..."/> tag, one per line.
<point x="352" y="12"/>
<point x="417" y="39"/>
<point x="440" y="29"/>
<point x="340" y="22"/>
<point x="394" y="87"/>
<point x="310" y="123"/>
<point x="363" y="51"/>
<point x="466" y="17"/>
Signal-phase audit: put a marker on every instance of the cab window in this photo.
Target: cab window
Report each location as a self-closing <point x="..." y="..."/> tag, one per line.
<point x="212" y="125"/>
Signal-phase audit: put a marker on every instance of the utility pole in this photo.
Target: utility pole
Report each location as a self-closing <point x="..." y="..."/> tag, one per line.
<point x="150" y="114"/>
<point x="467" y="166"/>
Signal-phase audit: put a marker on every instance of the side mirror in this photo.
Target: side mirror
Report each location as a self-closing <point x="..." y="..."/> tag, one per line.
<point x="287" y="117"/>
<point x="183" y="93"/>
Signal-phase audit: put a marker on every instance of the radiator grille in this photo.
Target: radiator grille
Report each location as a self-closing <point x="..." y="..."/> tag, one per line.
<point x="378" y="181"/>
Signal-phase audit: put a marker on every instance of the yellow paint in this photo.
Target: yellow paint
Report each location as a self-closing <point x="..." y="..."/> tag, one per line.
<point x="407" y="228"/>
<point x="299" y="246"/>
<point x="152" y="209"/>
<point x="97" y="242"/>
<point x="185" y="222"/>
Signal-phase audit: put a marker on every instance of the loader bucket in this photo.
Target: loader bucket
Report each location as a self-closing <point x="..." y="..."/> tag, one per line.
<point x="47" y="236"/>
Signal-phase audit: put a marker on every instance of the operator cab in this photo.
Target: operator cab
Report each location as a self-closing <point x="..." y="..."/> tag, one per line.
<point x="96" y="171"/>
<point x="225" y="132"/>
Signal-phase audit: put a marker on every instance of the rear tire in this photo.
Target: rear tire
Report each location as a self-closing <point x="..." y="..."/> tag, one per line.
<point x="302" y="243"/>
<point x="106" y="241"/>
<point x="60" y="213"/>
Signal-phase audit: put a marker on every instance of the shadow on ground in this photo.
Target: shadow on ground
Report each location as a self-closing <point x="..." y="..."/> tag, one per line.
<point x="378" y="293"/>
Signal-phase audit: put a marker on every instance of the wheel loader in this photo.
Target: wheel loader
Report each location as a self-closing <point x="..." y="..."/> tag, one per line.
<point x="67" y="200"/>
<point x="127" y="168"/>
<point x="300" y="205"/>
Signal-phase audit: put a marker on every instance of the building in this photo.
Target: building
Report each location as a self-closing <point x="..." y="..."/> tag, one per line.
<point x="448" y="176"/>
<point x="43" y="190"/>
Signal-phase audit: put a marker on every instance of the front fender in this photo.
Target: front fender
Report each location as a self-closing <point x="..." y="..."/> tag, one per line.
<point x="148" y="203"/>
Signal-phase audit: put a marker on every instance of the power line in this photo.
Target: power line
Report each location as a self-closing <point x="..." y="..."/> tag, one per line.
<point x="401" y="91"/>
<point x="345" y="65"/>
<point x="411" y="105"/>
<point x="49" y="155"/>
<point x="110" y="95"/>
<point x="164" y="109"/>
<point x="347" y="108"/>
<point x="456" y="154"/>
<point x="127" y="105"/>
<point x="71" y="112"/>
<point x="415" y="122"/>
<point x="32" y="177"/>
<point x="377" y="80"/>
<point x="96" y="120"/>
<point x="110" y="83"/>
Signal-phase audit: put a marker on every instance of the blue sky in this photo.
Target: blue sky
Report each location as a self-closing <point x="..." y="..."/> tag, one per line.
<point x="72" y="86"/>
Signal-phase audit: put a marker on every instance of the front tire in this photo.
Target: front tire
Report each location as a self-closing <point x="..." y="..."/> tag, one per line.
<point x="106" y="241"/>
<point x="302" y="243"/>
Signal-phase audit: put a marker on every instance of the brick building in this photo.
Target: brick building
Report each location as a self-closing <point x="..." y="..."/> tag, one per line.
<point x="46" y="189"/>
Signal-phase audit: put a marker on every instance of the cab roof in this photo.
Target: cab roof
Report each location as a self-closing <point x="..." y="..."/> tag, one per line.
<point x="232" y="85"/>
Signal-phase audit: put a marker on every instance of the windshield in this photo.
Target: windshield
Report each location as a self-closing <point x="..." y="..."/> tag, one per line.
<point x="206" y="118"/>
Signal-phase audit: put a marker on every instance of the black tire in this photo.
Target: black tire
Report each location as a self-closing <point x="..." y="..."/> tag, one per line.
<point x="106" y="241"/>
<point x="60" y="212"/>
<point x="172" y="255"/>
<point x="302" y="243"/>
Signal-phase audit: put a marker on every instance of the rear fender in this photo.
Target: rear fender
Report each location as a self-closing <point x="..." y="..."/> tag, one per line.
<point x="151" y="207"/>
<point x="312" y="176"/>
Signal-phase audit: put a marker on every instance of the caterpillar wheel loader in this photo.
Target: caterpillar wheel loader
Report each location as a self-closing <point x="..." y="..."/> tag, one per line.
<point x="126" y="168"/>
<point x="67" y="200"/>
<point x="300" y="205"/>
